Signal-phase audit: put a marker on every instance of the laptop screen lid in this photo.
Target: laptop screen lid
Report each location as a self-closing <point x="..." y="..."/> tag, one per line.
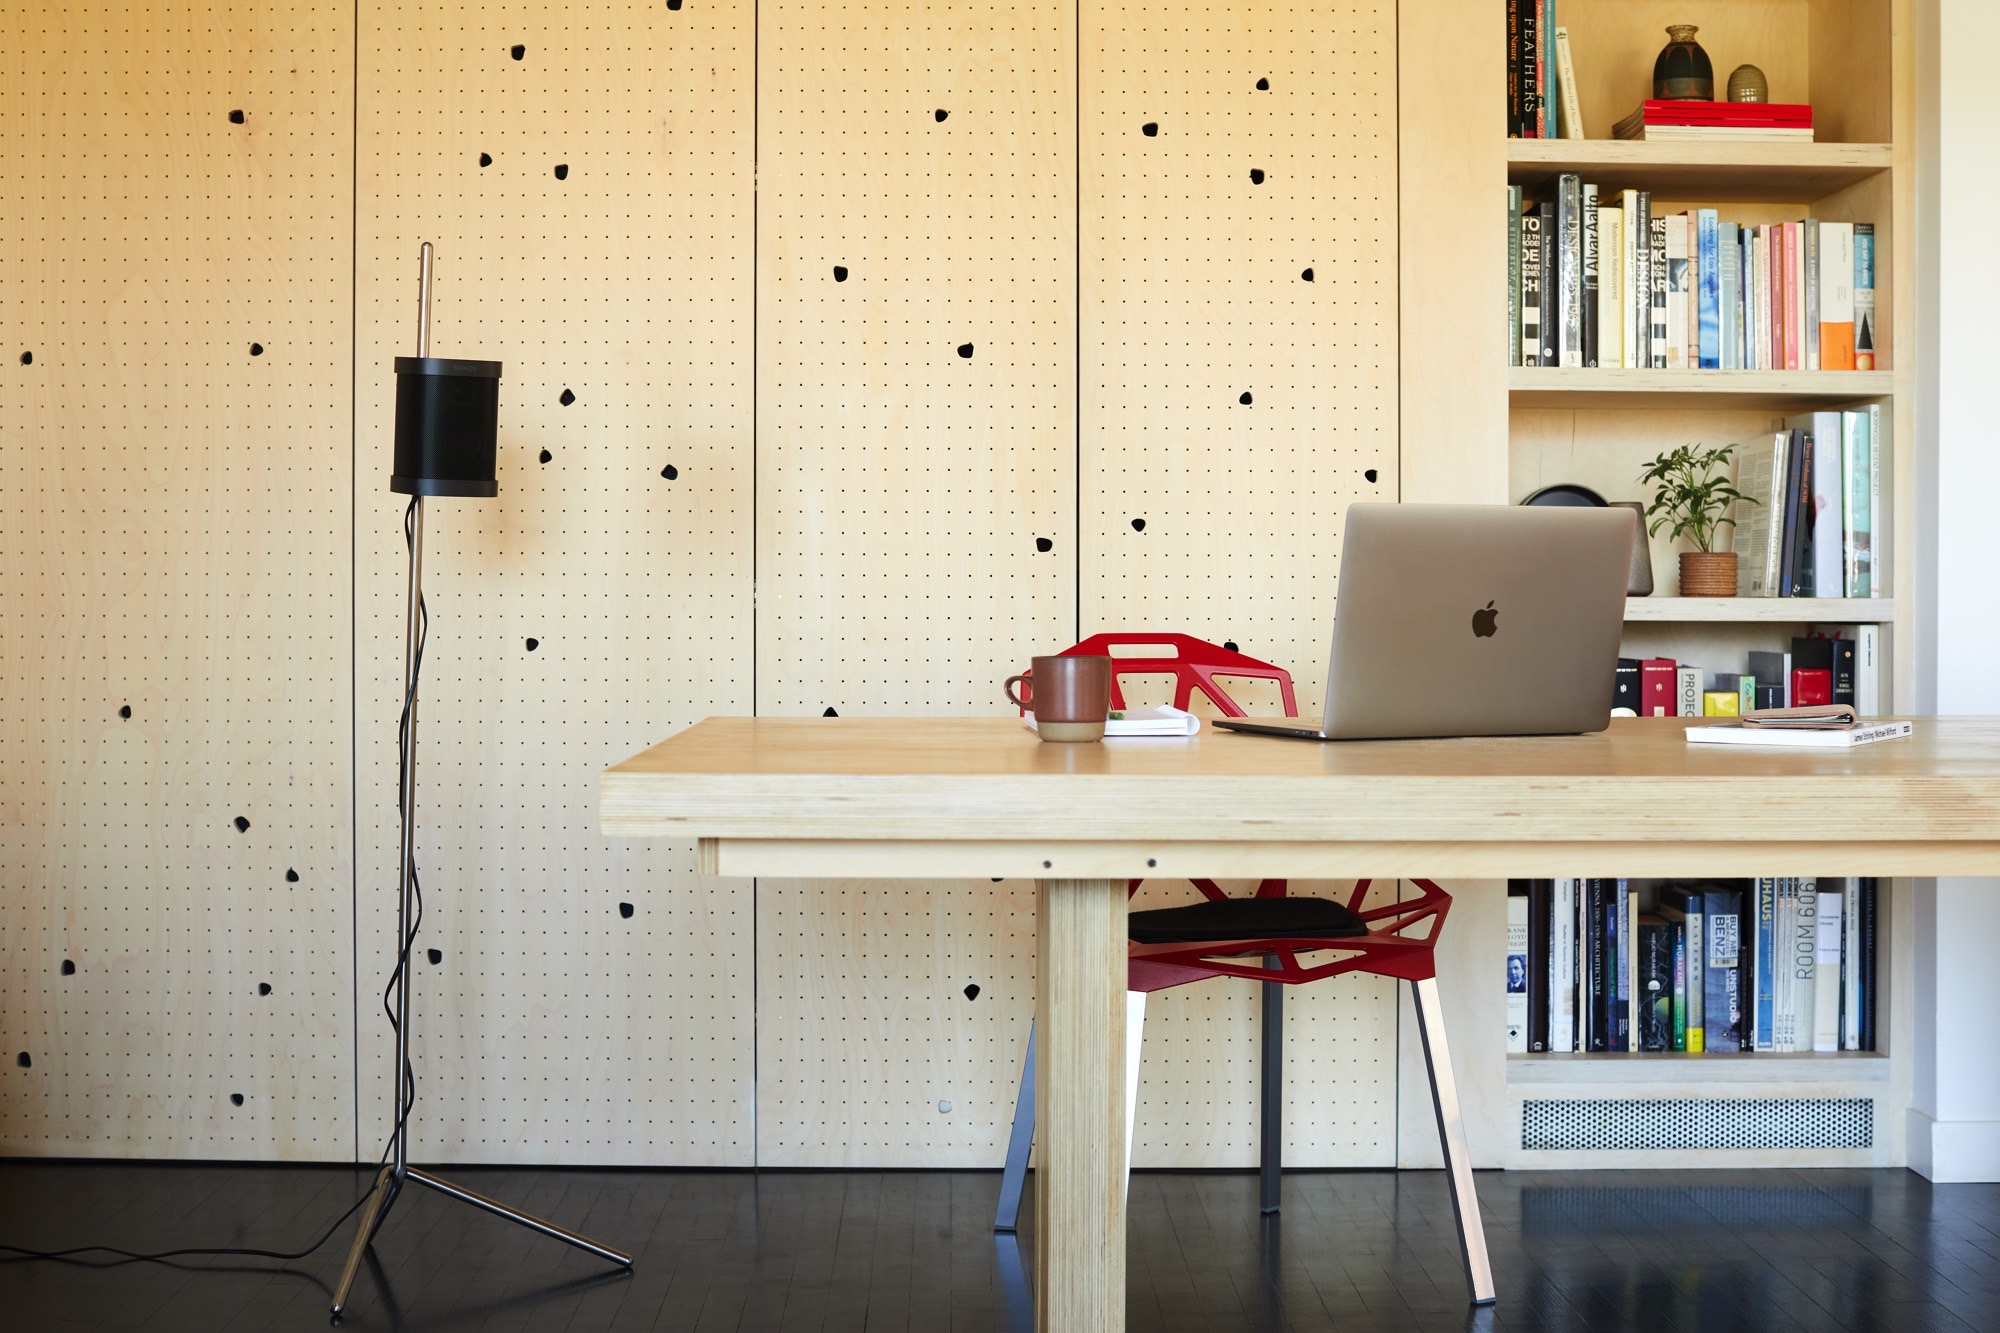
<point x="1477" y="620"/>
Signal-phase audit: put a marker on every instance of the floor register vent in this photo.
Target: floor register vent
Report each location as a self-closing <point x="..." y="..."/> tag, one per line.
<point x="1615" y="1124"/>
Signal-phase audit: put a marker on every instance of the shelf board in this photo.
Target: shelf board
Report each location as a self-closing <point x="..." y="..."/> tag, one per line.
<point x="1717" y="172"/>
<point x="1761" y="610"/>
<point x="1579" y="389"/>
<point x="1667" y="1068"/>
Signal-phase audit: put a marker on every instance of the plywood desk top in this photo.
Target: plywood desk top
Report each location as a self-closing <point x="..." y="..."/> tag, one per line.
<point x="985" y="797"/>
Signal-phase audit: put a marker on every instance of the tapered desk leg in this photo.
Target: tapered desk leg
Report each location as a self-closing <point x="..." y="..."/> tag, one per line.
<point x="1080" y="1107"/>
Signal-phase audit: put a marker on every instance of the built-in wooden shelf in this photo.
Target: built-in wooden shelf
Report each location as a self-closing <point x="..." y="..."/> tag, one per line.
<point x="1707" y="172"/>
<point x="1762" y="610"/>
<point x="1580" y="389"/>
<point x="1570" y="1071"/>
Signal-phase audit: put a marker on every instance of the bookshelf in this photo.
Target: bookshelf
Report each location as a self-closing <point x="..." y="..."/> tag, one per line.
<point x="1854" y="61"/>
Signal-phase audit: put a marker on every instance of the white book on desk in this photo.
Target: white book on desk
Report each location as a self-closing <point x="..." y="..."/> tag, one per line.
<point x="1735" y="733"/>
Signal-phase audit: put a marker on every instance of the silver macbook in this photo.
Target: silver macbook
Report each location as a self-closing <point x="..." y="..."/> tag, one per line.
<point x="1471" y="620"/>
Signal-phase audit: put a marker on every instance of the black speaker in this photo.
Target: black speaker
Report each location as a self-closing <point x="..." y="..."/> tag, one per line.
<point x="447" y="426"/>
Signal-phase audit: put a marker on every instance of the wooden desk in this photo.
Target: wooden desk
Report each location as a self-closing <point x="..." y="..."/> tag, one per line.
<point x="886" y="798"/>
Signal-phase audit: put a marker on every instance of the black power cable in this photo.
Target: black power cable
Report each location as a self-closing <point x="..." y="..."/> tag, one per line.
<point x="409" y="1076"/>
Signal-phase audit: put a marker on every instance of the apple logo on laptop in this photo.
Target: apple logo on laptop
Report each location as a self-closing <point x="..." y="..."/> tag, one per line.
<point x="1485" y="622"/>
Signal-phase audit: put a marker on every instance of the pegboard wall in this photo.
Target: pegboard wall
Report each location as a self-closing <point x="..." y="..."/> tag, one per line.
<point x="953" y="332"/>
<point x="175" y="611"/>
<point x="585" y="173"/>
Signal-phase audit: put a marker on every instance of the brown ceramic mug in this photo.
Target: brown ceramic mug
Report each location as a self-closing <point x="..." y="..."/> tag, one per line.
<point x="1069" y="696"/>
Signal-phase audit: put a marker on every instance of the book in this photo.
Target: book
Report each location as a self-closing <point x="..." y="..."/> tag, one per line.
<point x="1864" y="296"/>
<point x="1591" y="299"/>
<point x="1840" y="649"/>
<point x="1625" y="688"/>
<point x="1656" y="985"/>
<point x="1626" y="1025"/>
<point x="1729" y="245"/>
<point x="1571" y="121"/>
<point x="1549" y="90"/>
<point x="1760" y="469"/>
<point x="1797" y="512"/>
<point x="1708" y="290"/>
<point x="1828" y="925"/>
<point x="1656" y="119"/>
<point x="1531" y="286"/>
<point x="1879" y="548"/>
<point x="1868" y="670"/>
<point x="1610" y="286"/>
<point x="1677" y="289"/>
<point x="1735" y="733"/>
<point x="1687" y="909"/>
<point x="1569" y="270"/>
<point x="1687" y="691"/>
<point x="1795" y="301"/>
<point x="1515" y="103"/>
<point x="1721" y="703"/>
<point x="1869" y="974"/>
<point x="1764" y="343"/>
<point x="1857" y="470"/>
<point x="1531" y="69"/>
<point x="1724" y="996"/>
<point x="1517" y="968"/>
<point x="1658" y="683"/>
<point x="1657" y="280"/>
<point x="1692" y="111"/>
<point x="1802" y="938"/>
<point x="1551" y="307"/>
<point x="1850" y="963"/>
<point x="1595" y="986"/>
<point x="1563" y="1034"/>
<point x="1513" y="262"/>
<point x="1541" y="925"/>
<point x="1809" y="295"/>
<point x="1633" y="328"/>
<point x="1823" y="434"/>
<point x="1764" y="923"/>
<point x="1836" y="296"/>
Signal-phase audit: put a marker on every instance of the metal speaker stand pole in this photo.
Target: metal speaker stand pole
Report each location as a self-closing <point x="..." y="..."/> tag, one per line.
<point x="445" y="445"/>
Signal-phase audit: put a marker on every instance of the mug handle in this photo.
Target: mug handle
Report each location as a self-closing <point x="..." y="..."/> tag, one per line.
<point x="1027" y="681"/>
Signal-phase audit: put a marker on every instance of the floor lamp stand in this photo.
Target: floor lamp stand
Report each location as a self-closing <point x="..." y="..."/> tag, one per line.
<point x="397" y="1170"/>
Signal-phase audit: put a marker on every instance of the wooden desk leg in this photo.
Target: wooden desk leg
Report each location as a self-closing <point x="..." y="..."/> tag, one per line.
<point x="1080" y="1107"/>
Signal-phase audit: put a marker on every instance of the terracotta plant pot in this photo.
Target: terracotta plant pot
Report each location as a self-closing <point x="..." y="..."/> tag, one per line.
<point x="1708" y="573"/>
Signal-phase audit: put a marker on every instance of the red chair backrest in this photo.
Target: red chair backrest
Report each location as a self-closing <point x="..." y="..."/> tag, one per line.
<point x="1194" y="665"/>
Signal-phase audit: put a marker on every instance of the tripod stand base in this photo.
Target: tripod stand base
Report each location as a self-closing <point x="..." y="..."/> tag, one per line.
<point x="388" y="1186"/>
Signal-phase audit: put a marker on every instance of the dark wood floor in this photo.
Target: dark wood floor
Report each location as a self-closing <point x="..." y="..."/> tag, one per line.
<point x="837" y="1251"/>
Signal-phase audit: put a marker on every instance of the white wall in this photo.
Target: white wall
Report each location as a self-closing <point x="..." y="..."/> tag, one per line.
<point x="1955" y="1119"/>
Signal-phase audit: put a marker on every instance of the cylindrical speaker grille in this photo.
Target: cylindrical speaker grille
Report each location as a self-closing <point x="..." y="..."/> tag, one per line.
<point x="447" y="426"/>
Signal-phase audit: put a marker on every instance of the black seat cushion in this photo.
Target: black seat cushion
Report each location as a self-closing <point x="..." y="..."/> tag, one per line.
<point x="1245" y="919"/>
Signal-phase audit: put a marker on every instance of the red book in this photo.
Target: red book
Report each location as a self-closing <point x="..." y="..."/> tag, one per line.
<point x="1811" y="685"/>
<point x="1658" y="687"/>
<point x="1769" y="115"/>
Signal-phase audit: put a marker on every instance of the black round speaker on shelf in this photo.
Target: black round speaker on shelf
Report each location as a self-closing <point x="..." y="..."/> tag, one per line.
<point x="447" y="426"/>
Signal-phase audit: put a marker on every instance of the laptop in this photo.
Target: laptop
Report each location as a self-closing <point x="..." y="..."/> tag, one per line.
<point x="1471" y="620"/>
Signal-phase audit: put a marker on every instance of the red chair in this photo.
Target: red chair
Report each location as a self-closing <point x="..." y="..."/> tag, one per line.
<point x="1276" y="939"/>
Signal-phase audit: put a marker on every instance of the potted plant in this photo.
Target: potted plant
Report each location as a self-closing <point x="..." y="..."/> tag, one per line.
<point x="1692" y="495"/>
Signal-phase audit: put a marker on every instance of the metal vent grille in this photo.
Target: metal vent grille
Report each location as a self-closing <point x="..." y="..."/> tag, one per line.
<point x="1626" y="1124"/>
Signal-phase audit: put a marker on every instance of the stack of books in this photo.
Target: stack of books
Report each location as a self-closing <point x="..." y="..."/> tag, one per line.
<point x="1609" y="278"/>
<point x="1683" y="121"/>
<point x="1784" y="965"/>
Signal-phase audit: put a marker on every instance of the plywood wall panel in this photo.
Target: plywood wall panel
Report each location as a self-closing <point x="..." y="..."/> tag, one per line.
<point x="1239" y="390"/>
<point x="590" y="201"/>
<point x="175" y="837"/>
<point x="916" y="522"/>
